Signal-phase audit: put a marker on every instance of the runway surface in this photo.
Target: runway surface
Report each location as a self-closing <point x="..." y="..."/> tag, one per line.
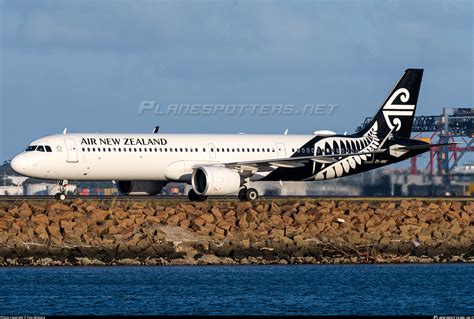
<point x="234" y="198"/>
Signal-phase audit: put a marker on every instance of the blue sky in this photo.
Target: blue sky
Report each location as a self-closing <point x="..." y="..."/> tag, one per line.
<point x="86" y="65"/>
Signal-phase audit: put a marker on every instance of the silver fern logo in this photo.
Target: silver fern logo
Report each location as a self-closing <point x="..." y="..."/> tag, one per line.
<point x="365" y="144"/>
<point x="391" y="111"/>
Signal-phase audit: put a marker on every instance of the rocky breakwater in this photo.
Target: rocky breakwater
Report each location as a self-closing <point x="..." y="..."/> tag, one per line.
<point x="284" y="231"/>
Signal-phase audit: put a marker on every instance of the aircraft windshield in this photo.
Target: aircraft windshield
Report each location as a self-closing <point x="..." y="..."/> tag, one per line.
<point x="38" y="148"/>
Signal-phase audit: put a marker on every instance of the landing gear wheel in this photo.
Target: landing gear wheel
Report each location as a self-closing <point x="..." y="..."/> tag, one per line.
<point x="60" y="196"/>
<point x="62" y="190"/>
<point x="243" y="194"/>
<point x="194" y="197"/>
<point x="252" y="194"/>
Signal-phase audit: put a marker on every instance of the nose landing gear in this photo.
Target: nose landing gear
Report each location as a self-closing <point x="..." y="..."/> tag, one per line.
<point x="62" y="190"/>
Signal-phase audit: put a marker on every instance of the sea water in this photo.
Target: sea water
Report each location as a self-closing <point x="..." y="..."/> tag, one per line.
<point x="434" y="289"/>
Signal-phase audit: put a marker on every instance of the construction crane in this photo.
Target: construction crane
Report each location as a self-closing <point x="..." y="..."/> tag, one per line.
<point x="453" y="125"/>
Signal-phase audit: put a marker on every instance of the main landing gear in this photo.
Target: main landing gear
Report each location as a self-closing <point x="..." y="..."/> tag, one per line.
<point x="62" y="190"/>
<point x="248" y="194"/>
<point x="194" y="197"/>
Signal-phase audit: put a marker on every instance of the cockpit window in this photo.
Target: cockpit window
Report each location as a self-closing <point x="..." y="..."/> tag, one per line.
<point x="30" y="148"/>
<point x="40" y="148"/>
<point x="48" y="148"/>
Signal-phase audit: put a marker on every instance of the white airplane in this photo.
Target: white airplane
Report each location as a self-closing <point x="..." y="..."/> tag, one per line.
<point x="223" y="164"/>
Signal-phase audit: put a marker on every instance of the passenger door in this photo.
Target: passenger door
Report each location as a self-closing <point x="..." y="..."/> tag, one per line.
<point x="281" y="151"/>
<point x="71" y="150"/>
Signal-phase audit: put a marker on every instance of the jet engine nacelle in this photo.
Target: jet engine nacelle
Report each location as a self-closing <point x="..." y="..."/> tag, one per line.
<point x="212" y="180"/>
<point x="140" y="188"/>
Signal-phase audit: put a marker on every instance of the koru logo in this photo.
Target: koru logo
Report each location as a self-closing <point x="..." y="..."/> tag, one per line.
<point x="392" y="111"/>
<point x="59" y="148"/>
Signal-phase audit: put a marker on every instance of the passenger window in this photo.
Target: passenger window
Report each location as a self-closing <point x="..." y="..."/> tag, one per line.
<point x="191" y="149"/>
<point x="212" y="150"/>
<point x="83" y="149"/>
<point x="93" y="149"/>
<point x="144" y="149"/>
<point x="273" y="150"/>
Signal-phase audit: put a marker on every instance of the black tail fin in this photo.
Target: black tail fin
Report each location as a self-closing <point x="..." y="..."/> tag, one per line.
<point x="397" y="112"/>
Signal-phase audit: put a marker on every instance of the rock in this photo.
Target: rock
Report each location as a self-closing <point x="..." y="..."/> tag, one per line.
<point x="176" y="218"/>
<point x="99" y="215"/>
<point x="67" y="225"/>
<point x="242" y="222"/>
<point x="40" y="219"/>
<point x="225" y="224"/>
<point x="454" y="228"/>
<point x="58" y="207"/>
<point x="291" y="231"/>
<point x="128" y="262"/>
<point x="150" y="219"/>
<point x="209" y="218"/>
<point x="275" y="221"/>
<point x="185" y="223"/>
<point x="243" y="206"/>
<point x="4" y="224"/>
<point x="121" y="214"/>
<point x="209" y="260"/>
<point x="287" y="219"/>
<point x="405" y="204"/>
<point x="300" y="218"/>
<point x="276" y="233"/>
<point x="217" y="214"/>
<point x="275" y="209"/>
<point x="24" y="210"/>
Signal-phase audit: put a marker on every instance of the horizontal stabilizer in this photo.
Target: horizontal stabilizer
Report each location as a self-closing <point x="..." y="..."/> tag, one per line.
<point x="423" y="146"/>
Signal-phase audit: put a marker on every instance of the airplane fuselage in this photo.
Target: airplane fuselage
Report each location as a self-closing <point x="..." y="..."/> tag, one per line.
<point x="171" y="157"/>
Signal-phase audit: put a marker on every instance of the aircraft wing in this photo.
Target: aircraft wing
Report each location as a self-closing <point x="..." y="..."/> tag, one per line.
<point x="288" y="162"/>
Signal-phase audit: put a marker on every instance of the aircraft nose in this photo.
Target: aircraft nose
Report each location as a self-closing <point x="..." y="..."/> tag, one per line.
<point x="19" y="164"/>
